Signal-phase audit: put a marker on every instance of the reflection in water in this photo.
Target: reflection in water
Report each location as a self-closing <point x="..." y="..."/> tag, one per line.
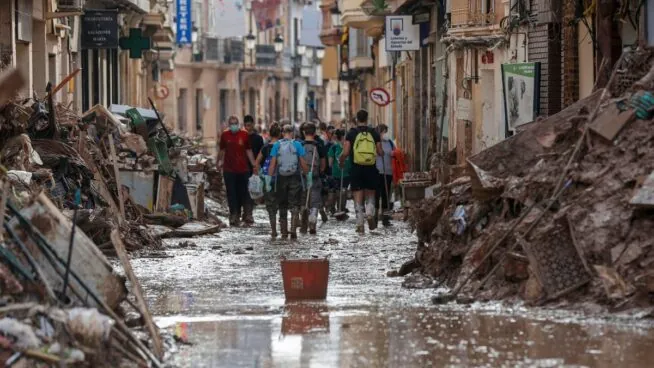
<point x="313" y="335"/>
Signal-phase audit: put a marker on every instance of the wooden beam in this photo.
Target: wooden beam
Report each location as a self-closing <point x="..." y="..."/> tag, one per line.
<point x="54" y="15"/>
<point x="119" y="187"/>
<point x="138" y="292"/>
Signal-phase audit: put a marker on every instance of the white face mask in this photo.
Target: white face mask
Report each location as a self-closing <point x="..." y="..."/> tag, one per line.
<point x="383" y="136"/>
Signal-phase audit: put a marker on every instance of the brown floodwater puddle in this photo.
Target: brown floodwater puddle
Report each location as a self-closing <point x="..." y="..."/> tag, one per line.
<point x="312" y="335"/>
<point x="224" y="295"/>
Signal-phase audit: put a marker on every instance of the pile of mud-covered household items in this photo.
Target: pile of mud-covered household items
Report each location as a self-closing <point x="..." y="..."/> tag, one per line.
<point x="112" y="171"/>
<point x="561" y="212"/>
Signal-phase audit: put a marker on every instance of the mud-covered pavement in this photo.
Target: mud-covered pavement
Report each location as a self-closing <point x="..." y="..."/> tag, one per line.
<point x="225" y="295"/>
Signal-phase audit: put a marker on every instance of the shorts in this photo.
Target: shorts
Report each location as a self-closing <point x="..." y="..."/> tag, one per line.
<point x="363" y="177"/>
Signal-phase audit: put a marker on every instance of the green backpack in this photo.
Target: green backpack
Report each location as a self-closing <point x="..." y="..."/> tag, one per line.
<point x="365" y="149"/>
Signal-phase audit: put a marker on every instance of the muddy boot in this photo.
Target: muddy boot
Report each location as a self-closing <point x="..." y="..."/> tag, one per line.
<point x="273" y="226"/>
<point x="386" y="220"/>
<point x="283" y="226"/>
<point x="361" y="216"/>
<point x="323" y="215"/>
<point x="248" y="219"/>
<point x="295" y="218"/>
<point x="313" y="220"/>
<point x="304" y="222"/>
<point x="234" y="220"/>
<point x="372" y="222"/>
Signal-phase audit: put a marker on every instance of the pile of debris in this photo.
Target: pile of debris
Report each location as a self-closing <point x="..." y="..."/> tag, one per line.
<point x="73" y="189"/>
<point x="563" y="208"/>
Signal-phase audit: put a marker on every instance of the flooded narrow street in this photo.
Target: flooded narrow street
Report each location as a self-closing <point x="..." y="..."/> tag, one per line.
<point x="224" y="293"/>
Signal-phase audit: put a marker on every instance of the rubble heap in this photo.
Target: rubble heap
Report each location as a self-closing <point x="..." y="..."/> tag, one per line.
<point x="563" y="208"/>
<point x="73" y="189"/>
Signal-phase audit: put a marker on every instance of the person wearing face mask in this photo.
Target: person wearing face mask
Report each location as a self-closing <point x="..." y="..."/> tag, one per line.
<point x="385" y="167"/>
<point x="235" y="158"/>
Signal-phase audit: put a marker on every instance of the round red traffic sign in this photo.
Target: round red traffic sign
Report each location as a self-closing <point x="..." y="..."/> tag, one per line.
<point x="380" y="96"/>
<point x="161" y="92"/>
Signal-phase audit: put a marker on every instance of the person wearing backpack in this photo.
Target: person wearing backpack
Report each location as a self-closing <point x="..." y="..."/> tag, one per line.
<point x="385" y="168"/>
<point x="234" y="157"/>
<point x="339" y="172"/>
<point x="286" y="165"/>
<point x="261" y="168"/>
<point x="316" y="159"/>
<point x="363" y="144"/>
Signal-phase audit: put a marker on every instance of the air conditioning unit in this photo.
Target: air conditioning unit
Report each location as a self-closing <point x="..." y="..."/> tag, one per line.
<point x="70" y="5"/>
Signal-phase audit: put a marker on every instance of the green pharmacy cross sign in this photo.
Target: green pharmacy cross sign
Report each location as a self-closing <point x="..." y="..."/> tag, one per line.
<point x="135" y="43"/>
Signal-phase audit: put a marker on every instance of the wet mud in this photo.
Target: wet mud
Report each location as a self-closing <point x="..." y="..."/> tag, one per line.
<point x="223" y="293"/>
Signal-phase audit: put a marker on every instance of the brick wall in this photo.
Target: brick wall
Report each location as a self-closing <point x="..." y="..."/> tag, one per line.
<point x="545" y="47"/>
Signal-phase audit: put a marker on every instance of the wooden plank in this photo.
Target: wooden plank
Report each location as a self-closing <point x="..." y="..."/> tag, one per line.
<point x="200" y="205"/>
<point x="119" y="187"/>
<point x="644" y="196"/>
<point x="11" y="81"/>
<point x="611" y="121"/>
<point x="4" y="186"/>
<point x="63" y="83"/>
<point x="164" y="193"/>
<point x="97" y="176"/>
<point x="91" y="265"/>
<point x="138" y="292"/>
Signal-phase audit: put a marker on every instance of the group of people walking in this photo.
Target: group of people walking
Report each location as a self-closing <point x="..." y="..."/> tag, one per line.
<point x="306" y="171"/>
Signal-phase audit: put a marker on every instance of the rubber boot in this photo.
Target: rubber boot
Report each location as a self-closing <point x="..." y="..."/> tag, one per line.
<point x="371" y="216"/>
<point x="331" y="203"/>
<point x="273" y="225"/>
<point x="248" y="219"/>
<point x="304" y="222"/>
<point x="234" y="220"/>
<point x="295" y="218"/>
<point x="360" y="213"/>
<point x="313" y="220"/>
<point x="283" y="227"/>
<point x="386" y="220"/>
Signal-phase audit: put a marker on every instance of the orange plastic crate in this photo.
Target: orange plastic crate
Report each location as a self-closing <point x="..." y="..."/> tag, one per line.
<point x="305" y="279"/>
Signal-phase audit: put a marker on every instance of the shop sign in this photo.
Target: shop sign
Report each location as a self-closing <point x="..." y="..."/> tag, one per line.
<point x="521" y="86"/>
<point x="402" y="34"/>
<point x="100" y="29"/>
<point x="184" y="22"/>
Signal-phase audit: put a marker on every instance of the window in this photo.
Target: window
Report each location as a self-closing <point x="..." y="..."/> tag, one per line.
<point x="181" y="109"/>
<point x="199" y="110"/>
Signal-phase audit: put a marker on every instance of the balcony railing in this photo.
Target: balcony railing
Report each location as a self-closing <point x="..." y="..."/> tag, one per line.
<point x="223" y="51"/>
<point x="472" y="13"/>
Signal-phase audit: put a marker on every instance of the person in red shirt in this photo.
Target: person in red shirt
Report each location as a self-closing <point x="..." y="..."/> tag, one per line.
<point x="235" y="157"/>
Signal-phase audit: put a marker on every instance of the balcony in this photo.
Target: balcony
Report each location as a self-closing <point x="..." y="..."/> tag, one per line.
<point x="360" y="54"/>
<point x="472" y="13"/>
<point x="330" y="35"/>
<point x="354" y="17"/>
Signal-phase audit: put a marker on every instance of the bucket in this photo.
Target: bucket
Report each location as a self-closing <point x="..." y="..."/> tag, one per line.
<point x="305" y="279"/>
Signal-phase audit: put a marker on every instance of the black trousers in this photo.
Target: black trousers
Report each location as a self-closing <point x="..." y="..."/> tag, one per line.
<point x="236" y="185"/>
<point x="380" y="192"/>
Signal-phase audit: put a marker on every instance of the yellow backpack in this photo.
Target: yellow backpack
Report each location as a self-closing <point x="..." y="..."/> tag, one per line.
<point x="365" y="149"/>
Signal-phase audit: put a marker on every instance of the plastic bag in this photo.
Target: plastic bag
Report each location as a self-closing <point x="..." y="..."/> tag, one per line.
<point x="255" y="186"/>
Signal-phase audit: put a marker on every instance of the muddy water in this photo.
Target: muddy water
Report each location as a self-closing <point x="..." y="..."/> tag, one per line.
<point x="225" y="296"/>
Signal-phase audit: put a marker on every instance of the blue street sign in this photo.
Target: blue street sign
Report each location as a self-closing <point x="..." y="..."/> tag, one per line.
<point x="184" y="22"/>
